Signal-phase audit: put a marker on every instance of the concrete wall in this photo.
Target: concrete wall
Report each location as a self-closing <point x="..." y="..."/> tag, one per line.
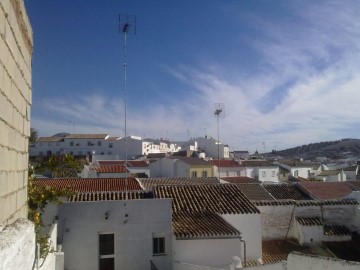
<point x="207" y="252"/>
<point x="250" y="227"/>
<point x="81" y="222"/>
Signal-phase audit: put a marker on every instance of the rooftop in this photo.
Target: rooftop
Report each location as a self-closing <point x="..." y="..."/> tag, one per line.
<point x="130" y="163"/>
<point x="90" y="184"/>
<point x="150" y="183"/>
<point x="326" y="190"/>
<point x="256" y="163"/>
<point x="50" y="139"/>
<point x="110" y="196"/>
<point x="193" y="225"/>
<point x="224" y="163"/>
<point x="87" y="136"/>
<point x="285" y="191"/>
<point x="222" y="199"/>
<point x="329" y="173"/>
<point x="240" y="180"/>
<point x="193" y="161"/>
<point x="255" y="192"/>
<point x="111" y="169"/>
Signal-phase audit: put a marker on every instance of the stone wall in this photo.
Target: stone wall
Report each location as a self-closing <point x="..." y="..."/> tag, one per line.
<point x="15" y="101"/>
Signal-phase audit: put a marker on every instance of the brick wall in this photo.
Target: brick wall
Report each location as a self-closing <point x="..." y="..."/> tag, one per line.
<point x="15" y="101"/>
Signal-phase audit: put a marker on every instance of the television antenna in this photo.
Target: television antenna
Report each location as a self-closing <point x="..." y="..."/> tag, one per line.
<point x="127" y="25"/>
<point x="219" y="113"/>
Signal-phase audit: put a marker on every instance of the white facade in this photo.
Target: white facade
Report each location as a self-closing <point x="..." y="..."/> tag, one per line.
<point x="80" y="224"/>
<point x="303" y="171"/>
<point x="163" y="167"/>
<point x="263" y="173"/>
<point x="211" y="147"/>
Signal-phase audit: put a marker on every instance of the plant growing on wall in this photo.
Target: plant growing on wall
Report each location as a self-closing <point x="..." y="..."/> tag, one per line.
<point x="38" y="198"/>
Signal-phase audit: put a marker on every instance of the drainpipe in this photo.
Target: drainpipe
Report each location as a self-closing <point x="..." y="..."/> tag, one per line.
<point x="241" y="240"/>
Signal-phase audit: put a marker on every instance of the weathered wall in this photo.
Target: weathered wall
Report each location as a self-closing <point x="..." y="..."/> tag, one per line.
<point x="15" y="101"/>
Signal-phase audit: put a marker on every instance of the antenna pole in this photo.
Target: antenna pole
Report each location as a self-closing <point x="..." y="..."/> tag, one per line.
<point x="125" y="28"/>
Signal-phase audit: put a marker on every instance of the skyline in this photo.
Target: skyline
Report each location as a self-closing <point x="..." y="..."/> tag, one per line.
<point x="287" y="72"/>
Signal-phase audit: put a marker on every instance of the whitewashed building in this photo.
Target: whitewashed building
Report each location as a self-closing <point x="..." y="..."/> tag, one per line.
<point x="211" y="147"/>
<point x="261" y="170"/>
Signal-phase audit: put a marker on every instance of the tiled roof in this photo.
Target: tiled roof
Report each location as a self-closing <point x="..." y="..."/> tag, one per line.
<point x="224" y="163"/>
<point x="240" y="180"/>
<point x="194" y="161"/>
<point x="329" y="173"/>
<point x="258" y="163"/>
<point x="113" y="138"/>
<point x="306" y="202"/>
<point x="326" y="190"/>
<point x="309" y="221"/>
<point x="255" y="192"/>
<point x="295" y="163"/>
<point x="111" y="169"/>
<point x="355" y="185"/>
<point x="110" y="196"/>
<point x="150" y="183"/>
<point x="87" y="136"/>
<point x="345" y="250"/>
<point x="130" y="163"/>
<point x="192" y="225"/>
<point x="90" y="184"/>
<point x="338" y="230"/>
<point x="278" y="250"/>
<point x="50" y="139"/>
<point x="222" y="199"/>
<point x="284" y="191"/>
<point x="351" y="168"/>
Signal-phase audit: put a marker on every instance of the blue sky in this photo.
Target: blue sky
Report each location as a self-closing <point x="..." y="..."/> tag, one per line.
<point x="288" y="72"/>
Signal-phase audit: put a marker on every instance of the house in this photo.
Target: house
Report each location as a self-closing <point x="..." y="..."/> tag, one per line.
<point x="149" y="183"/>
<point x="211" y="224"/>
<point x="332" y="176"/>
<point x="351" y="172"/>
<point x="210" y="146"/>
<point x="105" y="171"/>
<point x="261" y="170"/>
<point x="328" y="190"/>
<point x="227" y="168"/>
<point x="296" y="168"/>
<point x="177" y="166"/>
<point x="244" y="155"/>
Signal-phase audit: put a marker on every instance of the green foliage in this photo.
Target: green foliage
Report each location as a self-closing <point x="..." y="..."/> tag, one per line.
<point x="61" y="166"/>
<point x="34" y="135"/>
<point x="38" y="198"/>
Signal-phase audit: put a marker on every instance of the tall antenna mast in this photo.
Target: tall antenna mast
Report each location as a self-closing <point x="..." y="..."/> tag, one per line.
<point x="127" y="24"/>
<point x="219" y="113"/>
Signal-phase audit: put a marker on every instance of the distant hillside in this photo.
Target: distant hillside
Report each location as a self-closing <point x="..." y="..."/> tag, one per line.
<point x="332" y="149"/>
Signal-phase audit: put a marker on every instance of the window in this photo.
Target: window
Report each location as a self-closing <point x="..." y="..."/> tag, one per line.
<point x="204" y="174"/>
<point x="110" y="145"/>
<point x="106" y="251"/>
<point x="296" y="173"/>
<point x="71" y="143"/>
<point x="263" y="174"/>
<point x="158" y="245"/>
<point x="89" y="143"/>
<point x="99" y="143"/>
<point x="273" y="173"/>
<point x="194" y="174"/>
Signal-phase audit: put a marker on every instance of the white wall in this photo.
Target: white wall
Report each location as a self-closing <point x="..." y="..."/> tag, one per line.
<point x="162" y="168"/>
<point x="81" y="222"/>
<point x="297" y="261"/>
<point x="250" y="227"/>
<point x="207" y="252"/>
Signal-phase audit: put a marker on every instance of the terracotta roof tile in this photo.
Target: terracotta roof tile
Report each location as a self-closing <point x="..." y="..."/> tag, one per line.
<point x="87" y="136"/>
<point x="111" y="169"/>
<point x="90" y="184"/>
<point x="50" y="139"/>
<point x="345" y="250"/>
<point x="192" y="225"/>
<point x="194" y="161"/>
<point x="150" y="183"/>
<point x="295" y="163"/>
<point x="225" y="163"/>
<point x="284" y="191"/>
<point x="306" y="202"/>
<point x="259" y="163"/>
<point x="110" y="196"/>
<point x="278" y="250"/>
<point x="130" y="163"/>
<point x="355" y="185"/>
<point x="309" y="221"/>
<point x="240" y="180"/>
<point x="327" y="190"/>
<point x="222" y="199"/>
<point x="338" y="230"/>
<point x="329" y="172"/>
<point x="255" y="192"/>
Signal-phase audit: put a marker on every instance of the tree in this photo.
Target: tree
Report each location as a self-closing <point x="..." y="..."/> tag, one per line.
<point x="34" y="135"/>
